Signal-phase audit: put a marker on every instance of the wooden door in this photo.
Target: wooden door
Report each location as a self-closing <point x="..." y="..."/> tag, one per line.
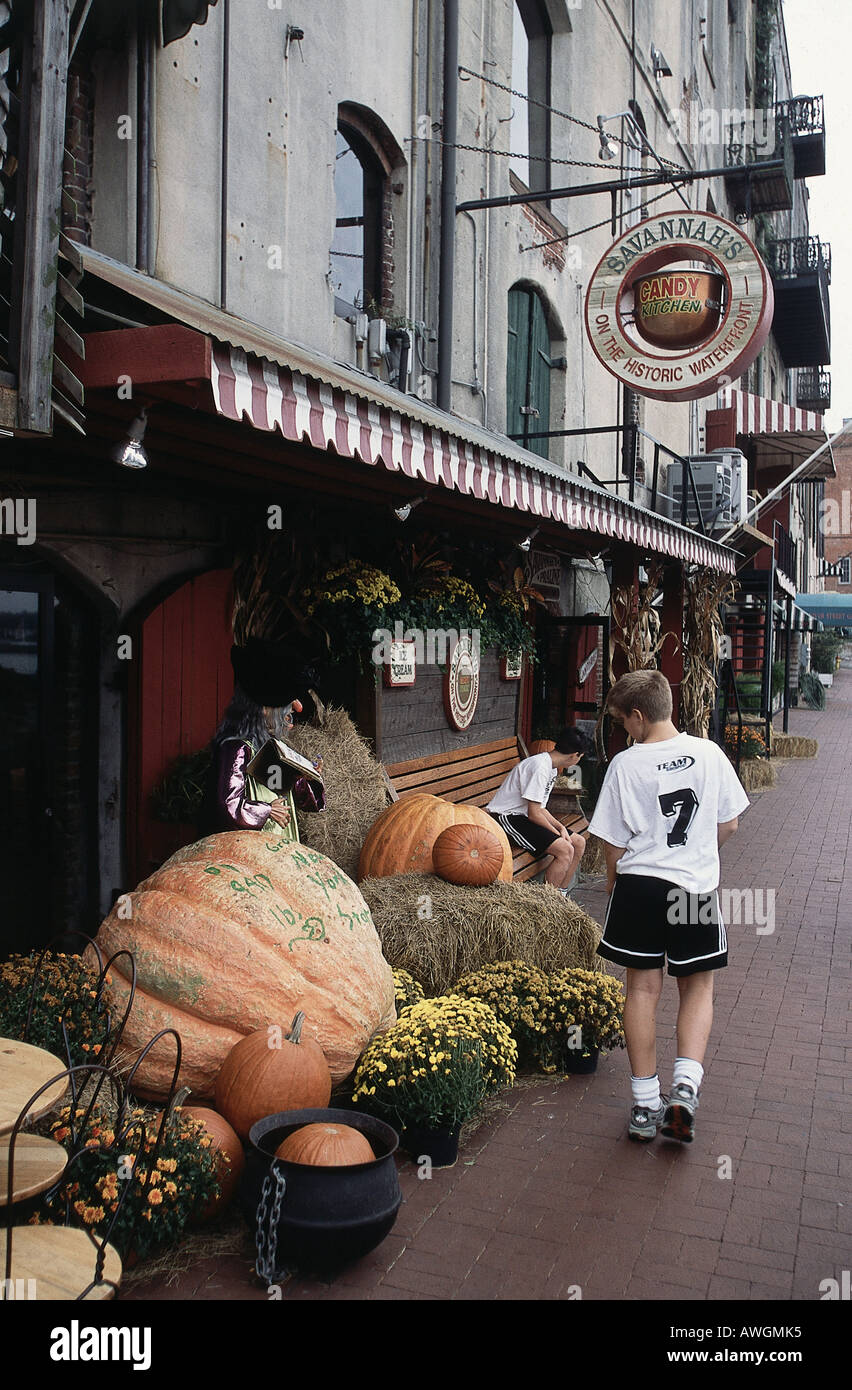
<point x="183" y="684"/>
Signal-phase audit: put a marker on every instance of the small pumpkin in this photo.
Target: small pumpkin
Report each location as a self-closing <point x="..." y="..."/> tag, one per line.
<point x="400" y="840"/>
<point x="230" y="1159"/>
<point x="467" y="854"/>
<point x="265" y="1073"/>
<point x="542" y="745"/>
<point x="326" y="1146"/>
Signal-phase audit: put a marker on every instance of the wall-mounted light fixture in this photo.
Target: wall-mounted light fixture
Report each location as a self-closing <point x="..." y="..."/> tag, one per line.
<point x="130" y="453"/>
<point x="658" y="63"/>
<point x="525" y="544"/>
<point x="608" y="149"/>
<point x="404" y="512"/>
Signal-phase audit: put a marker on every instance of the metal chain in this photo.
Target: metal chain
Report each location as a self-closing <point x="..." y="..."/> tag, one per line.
<point x="586" y="125"/>
<point x="507" y="154"/>
<point x="266" y="1233"/>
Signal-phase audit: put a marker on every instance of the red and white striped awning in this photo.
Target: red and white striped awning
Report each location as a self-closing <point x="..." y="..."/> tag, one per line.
<point x="759" y="415"/>
<point x="305" y="409"/>
<point x="781" y="435"/>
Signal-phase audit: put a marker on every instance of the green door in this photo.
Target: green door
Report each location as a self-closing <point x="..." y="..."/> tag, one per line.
<point x="528" y="371"/>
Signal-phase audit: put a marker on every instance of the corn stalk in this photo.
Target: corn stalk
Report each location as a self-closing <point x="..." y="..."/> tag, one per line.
<point x="705" y="592"/>
<point x="635" y="630"/>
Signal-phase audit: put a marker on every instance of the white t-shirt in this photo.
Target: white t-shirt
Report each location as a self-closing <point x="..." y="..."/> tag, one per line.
<point x="662" y="803"/>
<point x="531" y="780"/>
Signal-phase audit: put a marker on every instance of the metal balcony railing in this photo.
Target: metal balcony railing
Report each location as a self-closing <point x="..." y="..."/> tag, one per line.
<point x="813" y="389"/>
<point x="801" y="255"/>
<point x="785" y="551"/>
<point x="806" y="115"/>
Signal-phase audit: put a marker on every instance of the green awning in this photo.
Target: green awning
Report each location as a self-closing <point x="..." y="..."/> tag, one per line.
<point x="833" y="610"/>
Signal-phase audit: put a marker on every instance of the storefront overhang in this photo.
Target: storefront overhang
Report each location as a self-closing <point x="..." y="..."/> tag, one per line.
<point x="832" y="610"/>
<point x="279" y="386"/>
<point x="780" y="436"/>
<point x="800" y="619"/>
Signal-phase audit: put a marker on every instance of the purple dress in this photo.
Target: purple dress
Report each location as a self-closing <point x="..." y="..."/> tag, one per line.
<point x="228" y="807"/>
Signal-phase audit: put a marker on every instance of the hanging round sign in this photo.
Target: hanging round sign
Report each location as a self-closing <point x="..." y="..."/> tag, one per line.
<point x="461" y="683"/>
<point x="679" y="306"/>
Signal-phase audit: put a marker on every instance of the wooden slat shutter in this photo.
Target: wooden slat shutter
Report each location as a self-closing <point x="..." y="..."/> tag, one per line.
<point x="516" y="367"/>
<point x="539" y="377"/>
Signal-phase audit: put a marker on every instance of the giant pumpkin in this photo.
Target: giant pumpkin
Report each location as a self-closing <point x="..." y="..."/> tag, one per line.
<point x="237" y="932"/>
<point x="401" y="840"/>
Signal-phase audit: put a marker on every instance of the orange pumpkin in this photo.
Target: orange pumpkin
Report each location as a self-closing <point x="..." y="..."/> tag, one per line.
<point x="542" y="745"/>
<point x="236" y="932"/>
<point x="467" y="854"/>
<point x="401" y="840"/>
<point x="230" y="1159"/>
<point x="326" y="1146"/>
<point x="266" y="1073"/>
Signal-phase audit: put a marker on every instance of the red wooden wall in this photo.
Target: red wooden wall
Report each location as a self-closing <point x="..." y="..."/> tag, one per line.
<point x="183" y="683"/>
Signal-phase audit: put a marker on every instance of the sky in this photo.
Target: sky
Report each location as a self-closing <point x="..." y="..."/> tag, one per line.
<point x="819" y="39"/>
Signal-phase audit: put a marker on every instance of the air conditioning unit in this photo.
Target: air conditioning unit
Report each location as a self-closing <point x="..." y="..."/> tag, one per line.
<point x="721" y="483"/>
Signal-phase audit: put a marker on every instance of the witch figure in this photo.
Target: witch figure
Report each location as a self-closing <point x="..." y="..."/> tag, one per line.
<point x="272" y="682"/>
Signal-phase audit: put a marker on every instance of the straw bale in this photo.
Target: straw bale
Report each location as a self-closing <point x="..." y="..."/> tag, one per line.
<point x="756" y="774"/>
<point x="792" y="746"/>
<point x="355" y="789"/>
<point x="439" y="931"/>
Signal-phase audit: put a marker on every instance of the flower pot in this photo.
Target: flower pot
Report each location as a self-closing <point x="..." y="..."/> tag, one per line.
<point x="329" y="1216"/>
<point x="581" y="1063"/>
<point x="440" y="1145"/>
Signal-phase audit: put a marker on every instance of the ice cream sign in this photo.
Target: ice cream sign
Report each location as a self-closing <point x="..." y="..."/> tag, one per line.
<point x="679" y="306"/>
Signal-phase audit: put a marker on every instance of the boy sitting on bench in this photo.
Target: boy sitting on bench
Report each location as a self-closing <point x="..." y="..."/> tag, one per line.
<point x="520" y="808"/>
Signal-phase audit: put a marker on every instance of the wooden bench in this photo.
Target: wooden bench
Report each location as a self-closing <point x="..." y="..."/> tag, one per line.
<point x="472" y="776"/>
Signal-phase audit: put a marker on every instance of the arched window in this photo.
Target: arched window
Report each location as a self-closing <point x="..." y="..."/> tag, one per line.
<point x="362" y="250"/>
<point x="529" y="364"/>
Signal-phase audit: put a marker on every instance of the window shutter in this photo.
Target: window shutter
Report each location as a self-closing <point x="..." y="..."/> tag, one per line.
<point x="539" y="377"/>
<point x="516" y="366"/>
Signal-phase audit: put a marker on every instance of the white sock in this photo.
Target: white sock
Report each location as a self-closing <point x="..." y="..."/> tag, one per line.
<point x="689" y="1072"/>
<point x="646" y="1091"/>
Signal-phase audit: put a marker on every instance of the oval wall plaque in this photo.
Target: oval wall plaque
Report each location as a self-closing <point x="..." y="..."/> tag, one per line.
<point x="461" y="683"/>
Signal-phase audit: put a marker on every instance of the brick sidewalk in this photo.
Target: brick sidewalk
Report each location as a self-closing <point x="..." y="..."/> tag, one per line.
<point x="549" y="1193"/>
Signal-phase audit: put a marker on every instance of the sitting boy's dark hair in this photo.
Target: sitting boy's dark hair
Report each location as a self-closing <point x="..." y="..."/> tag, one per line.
<point x="573" y="740"/>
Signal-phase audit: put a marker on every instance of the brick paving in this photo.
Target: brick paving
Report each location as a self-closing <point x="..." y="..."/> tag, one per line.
<point x="550" y="1198"/>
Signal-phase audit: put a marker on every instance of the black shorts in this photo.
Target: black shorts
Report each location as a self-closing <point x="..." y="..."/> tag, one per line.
<point x="650" y="920"/>
<point x="525" y="832"/>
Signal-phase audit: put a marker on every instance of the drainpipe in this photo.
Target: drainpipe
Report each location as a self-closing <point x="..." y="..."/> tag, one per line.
<point x="143" y="144"/>
<point x="226" y="87"/>
<point x="448" y="204"/>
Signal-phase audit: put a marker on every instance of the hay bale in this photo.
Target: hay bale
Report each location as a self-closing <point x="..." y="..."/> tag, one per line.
<point x="791" y="746"/>
<point x="354" y="787"/>
<point x="593" y="862"/>
<point x="756" y="774"/>
<point x="470" y="927"/>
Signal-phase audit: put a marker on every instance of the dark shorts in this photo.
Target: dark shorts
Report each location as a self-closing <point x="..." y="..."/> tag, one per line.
<point x="650" y="921"/>
<point x="526" y="833"/>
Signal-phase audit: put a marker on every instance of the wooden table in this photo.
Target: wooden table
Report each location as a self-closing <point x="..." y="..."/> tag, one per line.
<point x="58" y="1262"/>
<point x="23" y="1070"/>
<point x="38" y="1164"/>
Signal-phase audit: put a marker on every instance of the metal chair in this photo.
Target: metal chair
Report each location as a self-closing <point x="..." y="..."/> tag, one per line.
<point x="57" y="1259"/>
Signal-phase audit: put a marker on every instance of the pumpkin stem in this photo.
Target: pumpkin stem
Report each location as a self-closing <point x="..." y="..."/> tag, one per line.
<point x="176" y="1102"/>
<point x="295" y="1034"/>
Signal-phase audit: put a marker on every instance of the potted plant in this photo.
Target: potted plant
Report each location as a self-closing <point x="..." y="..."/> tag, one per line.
<point x="586" y="1018"/>
<point x="431" y="1071"/>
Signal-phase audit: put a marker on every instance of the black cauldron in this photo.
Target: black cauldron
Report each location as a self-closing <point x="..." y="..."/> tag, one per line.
<point x="329" y="1216"/>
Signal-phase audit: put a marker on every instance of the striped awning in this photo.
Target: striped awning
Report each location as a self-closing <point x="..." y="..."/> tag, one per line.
<point x="780" y="433"/>
<point x="355" y="425"/>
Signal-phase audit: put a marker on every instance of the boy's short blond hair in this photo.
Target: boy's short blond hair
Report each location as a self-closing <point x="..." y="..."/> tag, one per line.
<point x="647" y="691"/>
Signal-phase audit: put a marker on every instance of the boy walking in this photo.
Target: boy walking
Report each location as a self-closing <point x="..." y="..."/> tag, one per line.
<point x="520" y="807"/>
<point x="666" y="806"/>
